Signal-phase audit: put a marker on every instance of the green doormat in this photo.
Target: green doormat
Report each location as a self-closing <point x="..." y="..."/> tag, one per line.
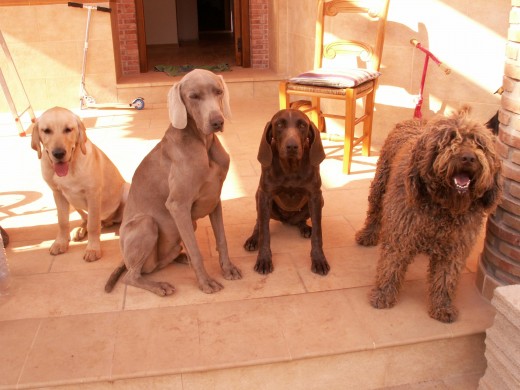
<point x="175" y="70"/>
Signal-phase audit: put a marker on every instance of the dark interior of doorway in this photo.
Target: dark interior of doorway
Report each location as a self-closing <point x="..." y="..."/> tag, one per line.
<point x="215" y="45"/>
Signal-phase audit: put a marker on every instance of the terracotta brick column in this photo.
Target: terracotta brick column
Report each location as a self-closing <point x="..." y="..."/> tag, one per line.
<point x="500" y="260"/>
<point x="127" y="31"/>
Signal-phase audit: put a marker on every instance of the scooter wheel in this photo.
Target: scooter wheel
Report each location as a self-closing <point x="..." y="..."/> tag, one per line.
<point x="138" y="103"/>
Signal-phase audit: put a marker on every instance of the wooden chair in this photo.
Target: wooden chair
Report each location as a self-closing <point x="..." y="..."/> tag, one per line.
<point x="332" y="79"/>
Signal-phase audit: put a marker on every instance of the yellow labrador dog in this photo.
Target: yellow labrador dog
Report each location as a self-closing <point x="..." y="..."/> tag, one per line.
<point x="178" y="182"/>
<point x="79" y="174"/>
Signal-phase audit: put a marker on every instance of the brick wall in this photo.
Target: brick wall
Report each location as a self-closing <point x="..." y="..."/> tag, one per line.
<point x="127" y="29"/>
<point x="500" y="260"/>
<point x="258" y="14"/>
<point x="127" y="33"/>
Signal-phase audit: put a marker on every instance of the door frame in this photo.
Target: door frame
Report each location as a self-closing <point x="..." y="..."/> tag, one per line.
<point x="241" y="31"/>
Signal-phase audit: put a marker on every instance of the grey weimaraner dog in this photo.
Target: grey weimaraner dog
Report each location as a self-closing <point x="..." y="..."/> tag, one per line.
<point x="178" y="182"/>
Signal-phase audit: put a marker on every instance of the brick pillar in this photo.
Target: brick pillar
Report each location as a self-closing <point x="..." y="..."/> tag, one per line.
<point x="258" y="16"/>
<point x="127" y="32"/>
<point x="499" y="263"/>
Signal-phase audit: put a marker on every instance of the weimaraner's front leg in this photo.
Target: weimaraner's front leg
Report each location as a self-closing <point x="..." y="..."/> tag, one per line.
<point x="230" y="271"/>
<point x="181" y="214"/>
<point x="61" y="244"/>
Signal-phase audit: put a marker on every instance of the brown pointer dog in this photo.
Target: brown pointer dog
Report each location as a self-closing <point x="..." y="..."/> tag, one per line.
<point x="290" y="186"/>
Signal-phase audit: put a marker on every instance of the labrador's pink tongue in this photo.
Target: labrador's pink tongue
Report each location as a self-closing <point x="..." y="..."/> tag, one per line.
<point x="61" y="168"/>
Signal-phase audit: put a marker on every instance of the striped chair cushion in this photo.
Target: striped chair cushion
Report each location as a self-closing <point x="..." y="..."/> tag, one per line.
<point x="336" y="78"/>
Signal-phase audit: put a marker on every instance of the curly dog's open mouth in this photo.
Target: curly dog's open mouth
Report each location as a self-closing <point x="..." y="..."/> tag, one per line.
<point x="462" y="181"/>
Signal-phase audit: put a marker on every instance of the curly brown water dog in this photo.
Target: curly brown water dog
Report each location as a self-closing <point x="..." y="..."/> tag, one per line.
<point x="289" y="190"/>
<point x="434" y="185"/>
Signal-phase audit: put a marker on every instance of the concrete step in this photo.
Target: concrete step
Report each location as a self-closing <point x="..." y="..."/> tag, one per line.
<point x="243" y="83"/>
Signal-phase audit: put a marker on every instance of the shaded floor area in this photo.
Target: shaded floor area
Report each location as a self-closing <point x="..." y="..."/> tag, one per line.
<point x="212" y="48"/>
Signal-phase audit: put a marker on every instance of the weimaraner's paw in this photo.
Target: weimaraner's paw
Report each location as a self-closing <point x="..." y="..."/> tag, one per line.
<point x="264" y="266"/>
<point x="92" y="255"/>
<point x="251" y="243"/>
<point x="232" y="273"/>
<point x="320" y="267"/>
<point x="79" y="233"/>
<point x="380" y="300"/>
<point x="162" y="288"/>
<point x="59" y="247"/>
<point x="210" y="286"/>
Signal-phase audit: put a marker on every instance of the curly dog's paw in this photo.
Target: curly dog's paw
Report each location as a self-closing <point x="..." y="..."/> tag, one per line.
<point x="366" y="237"/>
<point x="446" y="314"/>
<point x="381" y="300"/>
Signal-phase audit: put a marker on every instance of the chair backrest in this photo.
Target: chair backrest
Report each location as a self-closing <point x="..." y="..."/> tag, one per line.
<point x="367" y="46"/>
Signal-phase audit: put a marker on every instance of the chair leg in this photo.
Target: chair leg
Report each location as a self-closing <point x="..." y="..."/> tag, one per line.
<point x="282" y="95"/>
<point x="350" y="120"/>
<point x="367" y="123"/>
<point x="315" y="113"/>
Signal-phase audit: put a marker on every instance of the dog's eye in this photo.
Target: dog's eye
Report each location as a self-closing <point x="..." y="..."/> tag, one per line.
<point x="302" y="125"/>
<point x="218" y="92"/>
<point x="46" y="131"/>
<point x="194" y="96"/>
<point x="280" y="124"/>
<point x="67" y="130"/>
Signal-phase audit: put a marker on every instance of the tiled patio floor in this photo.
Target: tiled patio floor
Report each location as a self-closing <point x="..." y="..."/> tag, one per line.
<point x="59" y="327"/>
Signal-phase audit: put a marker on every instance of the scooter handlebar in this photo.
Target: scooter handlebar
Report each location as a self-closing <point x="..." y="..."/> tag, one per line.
<point x="96" y="7"/>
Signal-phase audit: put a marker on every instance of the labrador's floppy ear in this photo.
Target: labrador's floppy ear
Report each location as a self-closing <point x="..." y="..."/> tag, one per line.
<point x="265" y="154"/>
<point x="225" y="99"/>
<point x="35" y="139"/>
<point x="176" y="107"/>
<point x="82" y="136"/>
<point x="316" y="153"/>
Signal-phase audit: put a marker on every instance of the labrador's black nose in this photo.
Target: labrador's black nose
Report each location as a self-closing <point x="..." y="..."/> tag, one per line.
<point x="59" y="153"/>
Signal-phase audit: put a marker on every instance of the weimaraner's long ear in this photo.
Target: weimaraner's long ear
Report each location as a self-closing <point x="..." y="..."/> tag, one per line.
<point x="176" y="108"/>
<point x="265" y="154"/>
<point x="317" y="153"/>
<point x="35" y="139"/>
<point x="225" y="99"/>
<point x="82" y="136"/>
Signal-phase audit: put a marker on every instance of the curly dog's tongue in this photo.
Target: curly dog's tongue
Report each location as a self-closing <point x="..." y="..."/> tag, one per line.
<point x="61" y="168"/>
<point x="461" y="181"/>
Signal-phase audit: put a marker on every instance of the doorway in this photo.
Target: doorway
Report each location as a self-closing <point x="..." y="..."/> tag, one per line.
<point x="194" y="32"/>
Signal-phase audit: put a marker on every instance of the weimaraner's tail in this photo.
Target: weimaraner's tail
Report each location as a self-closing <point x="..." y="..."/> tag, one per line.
<point x="112" y="280"/>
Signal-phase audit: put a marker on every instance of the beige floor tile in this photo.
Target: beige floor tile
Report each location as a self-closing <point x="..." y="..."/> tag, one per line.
<point x="59" y="294"/>
<point x="320" y="324"/>
<point x="16" y="338"/>
<point x="28" y="257"/>
<point x="406" y="322"/>
<point x="283" y="281"/>
<point x="74" y="348"/>
<point x="245" y="332"/>
<point x="155" y="342"/>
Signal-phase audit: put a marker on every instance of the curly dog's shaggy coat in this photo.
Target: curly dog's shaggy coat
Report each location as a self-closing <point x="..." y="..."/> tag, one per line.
<point x="434" y="185"/>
